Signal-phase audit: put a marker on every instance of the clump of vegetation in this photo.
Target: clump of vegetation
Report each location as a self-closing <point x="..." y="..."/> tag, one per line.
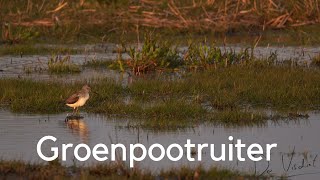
<point x="153" y="55"/>
<point x="94" y="63"/>
<point x="159" y="56"/>
<point x="203" y="56"/>
<point x="21" y="170"/>
<point x="59" y="64"/>
<point x="230" y="117"/>
<point x="29" y="69"/>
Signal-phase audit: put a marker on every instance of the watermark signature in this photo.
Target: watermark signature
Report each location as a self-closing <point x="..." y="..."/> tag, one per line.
<point x="292" y="165"/>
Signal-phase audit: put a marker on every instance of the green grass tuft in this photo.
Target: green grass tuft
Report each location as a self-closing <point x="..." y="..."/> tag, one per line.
<point x="57" y="65"/>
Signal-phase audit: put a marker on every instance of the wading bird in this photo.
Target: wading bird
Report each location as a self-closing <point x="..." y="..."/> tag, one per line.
<point x="78" y="99"/>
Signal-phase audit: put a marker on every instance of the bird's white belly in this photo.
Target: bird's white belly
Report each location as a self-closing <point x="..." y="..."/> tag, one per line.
<point x="80" y="102"/>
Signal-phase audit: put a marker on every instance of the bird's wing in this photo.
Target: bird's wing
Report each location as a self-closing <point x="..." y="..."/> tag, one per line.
<point x="73" y="99"/>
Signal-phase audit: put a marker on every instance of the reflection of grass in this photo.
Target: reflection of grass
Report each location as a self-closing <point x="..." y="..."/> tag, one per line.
<point x="57" y="64"/>
<point x="18" y="169"/>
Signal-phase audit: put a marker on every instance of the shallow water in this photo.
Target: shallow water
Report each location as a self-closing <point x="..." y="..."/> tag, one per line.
<point x="19" y="135"/>
<point x="14" y="66"/>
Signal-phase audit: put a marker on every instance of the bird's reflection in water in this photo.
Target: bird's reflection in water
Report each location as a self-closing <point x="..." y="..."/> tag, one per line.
<point x="78" y="126"/>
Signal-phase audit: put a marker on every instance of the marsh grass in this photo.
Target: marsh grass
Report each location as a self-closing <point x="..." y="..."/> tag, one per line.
<point x="94" y="63"/>
<point x="154" y="55"/>
<point x="203" y="56"/>
<point x="259" y="85"/>
<point x="28" y="96"/>
<point x="316" y="61"/>
<point x="94" y="20"/>
<point x="220" y="95"/>
<point x="59" y="64"/>
<point x="29" y="69"/>
<point x="19" y="169"/>
<point x="31" y="49"/>
<point x="238" y="117"/>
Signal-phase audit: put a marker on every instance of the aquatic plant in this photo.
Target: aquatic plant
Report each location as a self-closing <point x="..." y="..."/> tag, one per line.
<point x="238" y="117"/>
<point x="203" y="56"/>
<point x="153" y="55"/>
<point x="59" y="64"/>
<point x="97" y="63"/>
<point x="160" y="56"/>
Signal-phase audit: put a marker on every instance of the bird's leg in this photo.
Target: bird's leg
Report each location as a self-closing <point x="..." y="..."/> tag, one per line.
<point x="74" y="110"/>
<point x="77" y="112"/>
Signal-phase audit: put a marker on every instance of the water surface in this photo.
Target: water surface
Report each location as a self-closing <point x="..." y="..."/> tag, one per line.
<point x="14" y="66"/>
<point x="19" y="135"/>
